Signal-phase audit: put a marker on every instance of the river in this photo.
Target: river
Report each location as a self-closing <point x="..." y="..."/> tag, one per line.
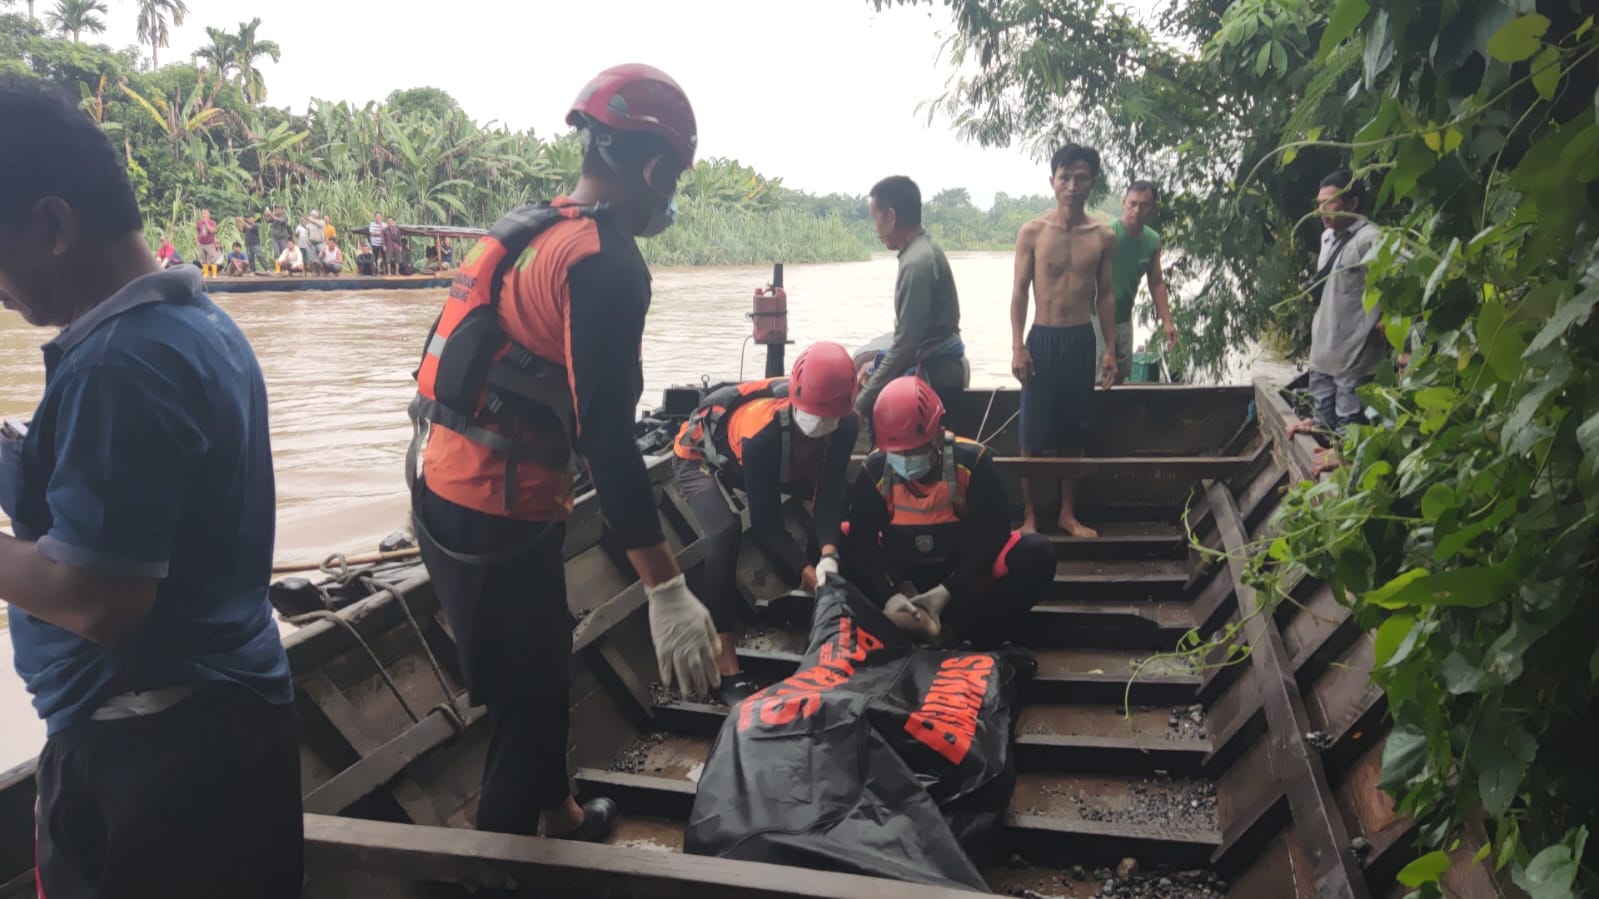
<point x="338" y="373"/>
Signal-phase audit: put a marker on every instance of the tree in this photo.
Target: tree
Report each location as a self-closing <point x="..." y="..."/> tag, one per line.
<point x="153" y="18"/>
<point x="221" y="56"/>
<point x="13" y="2"/>
<point x="247" y="48"/>
<point x="73" y="17"/>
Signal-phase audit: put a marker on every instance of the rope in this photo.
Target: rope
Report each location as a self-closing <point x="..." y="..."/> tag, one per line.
<point x="447" y="706"/>
<point x="336" y="618"/>
<point x="992" y="394"/>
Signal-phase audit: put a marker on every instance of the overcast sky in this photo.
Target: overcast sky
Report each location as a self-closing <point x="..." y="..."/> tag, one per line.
<point x="823" y="93"/>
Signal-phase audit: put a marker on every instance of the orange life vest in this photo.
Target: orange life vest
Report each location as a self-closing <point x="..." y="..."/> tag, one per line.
<point x="499" y="399"/>
<point x="716" y="431"/>
<point x="924" y="519"/>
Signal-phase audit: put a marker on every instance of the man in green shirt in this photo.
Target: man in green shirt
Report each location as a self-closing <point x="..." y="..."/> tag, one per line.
<point x="1137" y="256"/>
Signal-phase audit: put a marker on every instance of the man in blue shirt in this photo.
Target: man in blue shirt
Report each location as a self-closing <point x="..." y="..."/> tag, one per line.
<point x="142" y="498"/>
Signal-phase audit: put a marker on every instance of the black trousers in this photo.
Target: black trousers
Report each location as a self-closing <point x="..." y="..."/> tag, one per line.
<point x="514" y="634"/>
<point x="723" y="533"/>
<point x="199" y="801"/>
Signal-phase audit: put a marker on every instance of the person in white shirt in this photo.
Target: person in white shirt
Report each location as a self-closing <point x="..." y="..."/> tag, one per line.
<point x="331" y="258"/>
<point x="291" y="260"/>
<point x="1345" y="344"/>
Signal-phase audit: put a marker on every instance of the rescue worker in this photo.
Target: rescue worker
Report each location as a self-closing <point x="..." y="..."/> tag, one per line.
<point x="929" y="532"/>
<point x="766" y="438"/>
<point x="533" y="368"/>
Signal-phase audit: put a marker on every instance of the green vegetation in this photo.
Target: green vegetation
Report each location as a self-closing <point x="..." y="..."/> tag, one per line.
<point x="1461" y="528"/>
<point x="199" y="135"/>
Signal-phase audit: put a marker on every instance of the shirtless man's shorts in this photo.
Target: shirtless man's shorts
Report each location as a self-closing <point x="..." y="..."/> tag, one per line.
<point x="1064" y="259"/>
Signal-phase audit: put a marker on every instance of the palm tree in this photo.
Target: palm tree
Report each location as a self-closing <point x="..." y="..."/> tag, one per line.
<point x="73" y="17"/>
<point x="221" y="56"/>
<point x="246" y="50"/>
<point x="153" y="17"/>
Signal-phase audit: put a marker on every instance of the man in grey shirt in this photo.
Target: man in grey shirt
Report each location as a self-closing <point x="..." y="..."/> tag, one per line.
<point x="1345" y="346"/>
<point x="927" y="313"/>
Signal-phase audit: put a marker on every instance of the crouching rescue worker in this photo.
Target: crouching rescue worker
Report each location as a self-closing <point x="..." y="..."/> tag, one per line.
<point x="929" y="532"/>
<point x="532" y="367"/>
<point x="766" y="438"/>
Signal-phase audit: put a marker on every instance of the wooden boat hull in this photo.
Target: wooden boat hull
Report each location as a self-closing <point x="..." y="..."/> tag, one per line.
<point x="284" y="283"/>
<point x="1215" y="779"/>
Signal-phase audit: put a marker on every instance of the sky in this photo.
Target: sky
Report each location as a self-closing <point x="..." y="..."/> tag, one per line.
<point x="823" y="93"/>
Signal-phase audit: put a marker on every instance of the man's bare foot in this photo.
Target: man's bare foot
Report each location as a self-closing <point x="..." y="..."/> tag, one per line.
<point x="1028" y="526"/>
<point x="1303" y="426"/>
<point x="1076" y="528"/>
<point x="1327" y="459"/>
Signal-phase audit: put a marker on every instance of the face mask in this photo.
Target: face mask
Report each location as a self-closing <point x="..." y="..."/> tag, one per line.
<point x="661" y="220"/>
<point x="912" y="467"/>
<point x="814" y="425"/>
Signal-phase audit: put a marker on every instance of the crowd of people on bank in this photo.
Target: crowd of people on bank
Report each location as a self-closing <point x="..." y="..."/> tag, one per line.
<point x="142" y="498"/>
<point x="310" y="247"/>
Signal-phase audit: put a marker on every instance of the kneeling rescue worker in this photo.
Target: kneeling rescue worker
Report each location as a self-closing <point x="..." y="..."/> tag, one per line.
<point x="928" y="509"/>
<point x="768" y="437"/>
<point x="532" y="368"/>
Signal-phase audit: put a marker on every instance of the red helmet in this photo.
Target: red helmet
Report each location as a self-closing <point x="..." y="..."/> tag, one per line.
<point x="906" y="415"/>
<point x="639" y="98"/>
<point x="823" y="381"/>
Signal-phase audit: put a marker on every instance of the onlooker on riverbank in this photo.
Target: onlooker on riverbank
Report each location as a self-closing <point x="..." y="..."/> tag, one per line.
<point x="205" y="239"/>
<point x="238" y="263"/>
<point x="330" y="259"/>
<point x="250" y="227"/>
<point x="317" y="231"/>
<point x="278" y="222"/>
<point x="167" y="256"/>
<point x="291" y="260"/>
<point x="393" y="247"/>
<point x="1137" y="258"/>
<point x="141" y="496"/>
<point x="302" y="239"/>
<point x="374" y="236"/>
<point x="927" y="314"/>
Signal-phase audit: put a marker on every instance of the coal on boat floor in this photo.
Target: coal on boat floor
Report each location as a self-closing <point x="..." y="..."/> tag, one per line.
<point x="1140" y="722"/>
<point x="1159" y="802"/>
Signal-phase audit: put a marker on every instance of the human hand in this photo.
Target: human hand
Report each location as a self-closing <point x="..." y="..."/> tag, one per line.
<point x="1171" y="337"/>
<point x="1021" y="364"/>
<point x="808" y="579"/>
<point x="684" y="636"/>
<point x="1107" y="368"/>
<point x="826" y="568"/>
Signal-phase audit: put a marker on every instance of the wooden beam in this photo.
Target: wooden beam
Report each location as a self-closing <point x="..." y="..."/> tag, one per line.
<point x="1318" y="824"/>
<point x="17" y="794"/>
<point x="563" y="869"/>
<point x="1178" y="470"/>
<point x="615" y="610"/>
<point x="378" y="767"/>
<point x="1297" y="452"/>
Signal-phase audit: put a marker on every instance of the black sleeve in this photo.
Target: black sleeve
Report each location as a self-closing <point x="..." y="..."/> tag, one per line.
<point x="605" y="326"/>
<point x="763" y="483"/>
<point x="830" y="480"/>
<point x="861" y="554"/>
<point x="985" y="526"/>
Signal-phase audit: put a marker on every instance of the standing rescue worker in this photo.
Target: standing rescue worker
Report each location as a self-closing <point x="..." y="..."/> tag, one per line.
<point x="533" y="368"/>
<point x="929" y="510"/>
<point x="768" y="437"/>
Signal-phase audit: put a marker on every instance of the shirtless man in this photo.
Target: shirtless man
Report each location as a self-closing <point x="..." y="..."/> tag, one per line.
<point x="1065" y="258"/>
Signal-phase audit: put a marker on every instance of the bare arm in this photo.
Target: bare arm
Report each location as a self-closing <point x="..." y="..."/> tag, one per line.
<point x="103" y="607"/>
<point x="1106" y="298"/>
<point x="1157" y="289"/>
<point x="1021" y="285"/>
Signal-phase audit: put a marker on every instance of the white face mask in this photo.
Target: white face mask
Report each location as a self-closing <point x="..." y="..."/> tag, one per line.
<point x="814" y="425"/>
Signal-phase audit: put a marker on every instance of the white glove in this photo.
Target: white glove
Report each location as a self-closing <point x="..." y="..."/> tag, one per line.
<point x="909" y="617"/>
<point x="826" y="568"/>
<point x="933" y="601"/>
<point x="685" y="638"/>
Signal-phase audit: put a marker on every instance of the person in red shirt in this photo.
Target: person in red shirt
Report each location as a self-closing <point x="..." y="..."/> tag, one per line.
<point x="555" y="296"/>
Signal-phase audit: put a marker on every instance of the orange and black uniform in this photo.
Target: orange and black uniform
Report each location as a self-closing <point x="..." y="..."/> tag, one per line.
<point x="751" y="442"/>
<point x="576" y="299"/>
<point x="950" y="531"/>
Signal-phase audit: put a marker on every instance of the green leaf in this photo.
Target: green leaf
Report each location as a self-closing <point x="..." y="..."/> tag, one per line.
<point x="1345" y="18"/>
<point x="1503" y="758"/>
<point x="1389" y="636"/>
<point x="1584" y="28"/>
<point x="1263" y="59"/>
<point x="1486" y="850"/>
<point x="1403" y="756"/>
<point x="1436" y="399"/>
<point x="1414" y="160"/>
<point x="1459" y="676"/>
<point x="1472" y="588"/>
<point x="1571" y="312"/>
<point x="1551" y="872"/>
<point x="1426" y="869"/>
<point x="1546" y="72"/>
<point x="1499" y="342"/>
<point x="1518" y="39"/>
<point x="1438" y="498"/>
<point x="1382" y="595"/>
<point x="1279" y="57"/>
<point x="1588" y="437"/>
<point x="1525" y="427"/>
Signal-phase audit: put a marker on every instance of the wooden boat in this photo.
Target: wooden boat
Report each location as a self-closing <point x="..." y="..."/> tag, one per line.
<point x="1253" y="779"/>
<point x="281" y="283"/>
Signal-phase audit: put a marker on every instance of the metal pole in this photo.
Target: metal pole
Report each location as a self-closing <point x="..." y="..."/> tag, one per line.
<point x="774" y="351"/>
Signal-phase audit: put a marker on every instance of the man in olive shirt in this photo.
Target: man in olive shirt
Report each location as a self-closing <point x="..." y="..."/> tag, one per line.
<point x="927" y="313"/>
<point x="1137" y="256"/>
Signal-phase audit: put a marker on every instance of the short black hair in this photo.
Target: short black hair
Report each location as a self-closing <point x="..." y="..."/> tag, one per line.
<point x="236" y="244"/>
<point x="1345" y="181"/>
<point x="51" y="148"/>
<point x="900" y="194"/>
<point x="1071" y="153"/>
<point x="1140" y="186"/>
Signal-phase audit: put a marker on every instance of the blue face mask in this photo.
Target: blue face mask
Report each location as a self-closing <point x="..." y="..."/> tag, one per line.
<point x="661" y="220"/>
<point x="912" y="467"/>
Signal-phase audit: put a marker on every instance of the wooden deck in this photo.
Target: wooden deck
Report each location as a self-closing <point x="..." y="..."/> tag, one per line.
<point x="281" y="283"/>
